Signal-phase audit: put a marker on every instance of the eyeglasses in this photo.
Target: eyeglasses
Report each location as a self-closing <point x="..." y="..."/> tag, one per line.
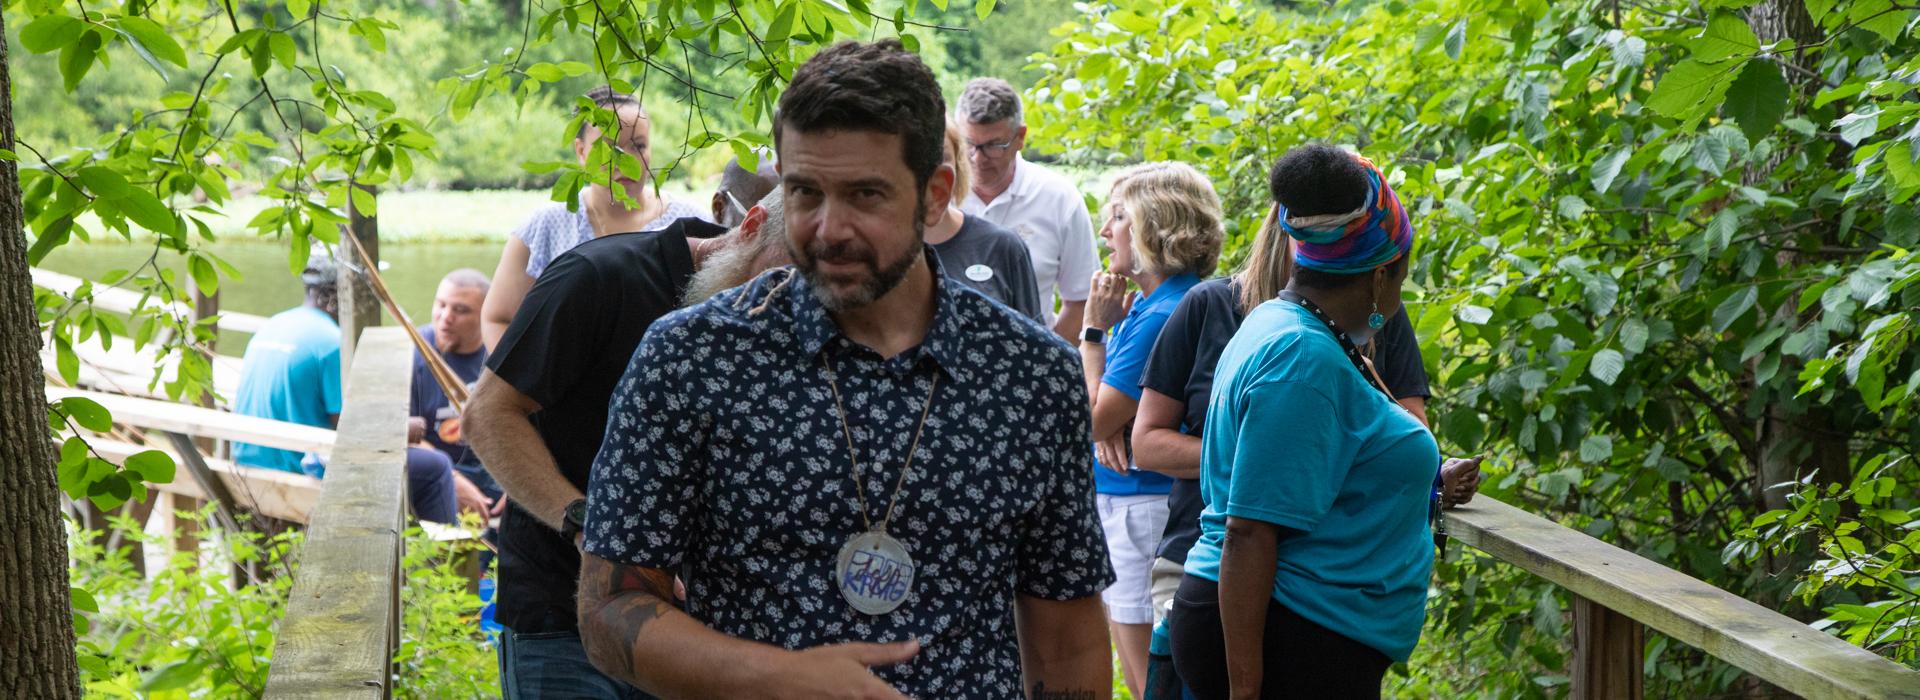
<point x="993" y="149"/>
<point x="736" y="204"/>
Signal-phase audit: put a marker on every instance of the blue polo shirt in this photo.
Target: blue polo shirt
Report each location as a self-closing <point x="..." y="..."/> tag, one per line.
<point x="1297" y="438"/>
<point x="1127" y="353"/>
<point x="291" y="372"/>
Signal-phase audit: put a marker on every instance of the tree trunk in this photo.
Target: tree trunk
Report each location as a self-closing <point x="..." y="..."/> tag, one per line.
<point x="36" y="623"/>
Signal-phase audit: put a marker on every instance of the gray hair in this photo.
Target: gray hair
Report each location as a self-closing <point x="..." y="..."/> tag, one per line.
<point x="734" y="264"/>
<point x="989" y="101"/>
<point x="468" y="278"/>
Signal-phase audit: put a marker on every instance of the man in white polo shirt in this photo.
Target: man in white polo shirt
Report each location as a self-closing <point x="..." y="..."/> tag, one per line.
<point x="1023" y="197"/>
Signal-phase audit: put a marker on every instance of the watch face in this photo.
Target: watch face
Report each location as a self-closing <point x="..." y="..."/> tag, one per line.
<point x="577" y="512"/>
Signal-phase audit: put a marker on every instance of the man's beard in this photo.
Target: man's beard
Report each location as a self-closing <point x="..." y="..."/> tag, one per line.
<point x="723" y="269"/>
<point x="881" y="280"/>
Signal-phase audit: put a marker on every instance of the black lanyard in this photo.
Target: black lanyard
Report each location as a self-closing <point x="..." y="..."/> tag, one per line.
<point x="1346" y="344"/>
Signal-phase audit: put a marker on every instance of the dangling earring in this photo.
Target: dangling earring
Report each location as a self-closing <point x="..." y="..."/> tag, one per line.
<point x="1375" y="320"/>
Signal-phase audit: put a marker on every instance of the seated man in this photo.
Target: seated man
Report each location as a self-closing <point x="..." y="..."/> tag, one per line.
<point x="433" y="427"/>
<point x="291" y="373"/>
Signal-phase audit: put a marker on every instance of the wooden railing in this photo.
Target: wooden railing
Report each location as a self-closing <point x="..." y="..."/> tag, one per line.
<point x="343" y="614"/>
<point x="1616" y="592"/>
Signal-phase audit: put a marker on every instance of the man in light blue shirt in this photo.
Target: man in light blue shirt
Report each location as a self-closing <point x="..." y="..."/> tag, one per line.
<point x="291" y="370"/>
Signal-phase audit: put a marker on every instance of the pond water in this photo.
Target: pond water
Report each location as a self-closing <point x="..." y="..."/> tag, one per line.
<point x="412" y="272"/>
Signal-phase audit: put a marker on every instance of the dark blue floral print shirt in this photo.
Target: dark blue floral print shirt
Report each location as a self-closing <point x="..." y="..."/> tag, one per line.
<point x="724" y="451"/>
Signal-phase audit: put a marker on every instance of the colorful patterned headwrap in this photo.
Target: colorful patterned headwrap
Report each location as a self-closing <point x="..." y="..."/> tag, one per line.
<point x="1357" y="241"/>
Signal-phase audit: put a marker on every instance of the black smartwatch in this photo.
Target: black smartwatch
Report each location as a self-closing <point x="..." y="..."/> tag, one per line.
<point x="574" y="519"/>
<point x="1093" y="335"/>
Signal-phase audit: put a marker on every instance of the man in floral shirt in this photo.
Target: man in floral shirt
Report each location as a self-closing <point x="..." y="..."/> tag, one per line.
<point x="867" y="471"/>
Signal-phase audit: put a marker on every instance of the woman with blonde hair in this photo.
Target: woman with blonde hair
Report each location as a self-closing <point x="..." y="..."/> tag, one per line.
<point x="1163" y="232"/>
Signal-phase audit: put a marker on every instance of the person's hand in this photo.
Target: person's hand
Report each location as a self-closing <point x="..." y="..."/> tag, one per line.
<point x="1108" y="302"/>
<point x="1113" y="452"/>
<point x="499" y="507"/>
<point x="1459" y="480"/>
<point x="840" y="671"/>
<point x="469" y="497"/>
<point x="416" y="430"/>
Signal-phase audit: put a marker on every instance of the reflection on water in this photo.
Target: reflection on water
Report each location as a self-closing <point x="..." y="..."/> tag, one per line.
<point x="267" y="287"/>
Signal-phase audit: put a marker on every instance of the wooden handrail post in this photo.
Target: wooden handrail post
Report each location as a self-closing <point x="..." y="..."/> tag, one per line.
<point x="1608" y="650"/>
<point x="341" y="626"/>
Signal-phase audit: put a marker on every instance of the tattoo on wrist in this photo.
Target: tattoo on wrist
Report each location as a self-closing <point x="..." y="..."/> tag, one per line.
<point x="1042" y="692"/>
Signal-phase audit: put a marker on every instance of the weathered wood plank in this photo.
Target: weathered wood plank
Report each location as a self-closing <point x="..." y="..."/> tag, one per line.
<point x="270" y="492"/>
<point x="338" y="636"/>
<point x="125" y="301"/>
<point x="1608" y="649"/>
<point x="207" y="422"/>
<point x="1779" y="649"/>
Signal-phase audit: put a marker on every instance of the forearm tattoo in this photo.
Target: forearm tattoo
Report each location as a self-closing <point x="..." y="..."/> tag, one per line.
<point x="1042" y="692"/>
<point x="616" y="603"/>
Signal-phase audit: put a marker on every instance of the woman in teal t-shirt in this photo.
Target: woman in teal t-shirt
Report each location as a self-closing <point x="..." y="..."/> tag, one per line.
<point x="1310" y="575"/>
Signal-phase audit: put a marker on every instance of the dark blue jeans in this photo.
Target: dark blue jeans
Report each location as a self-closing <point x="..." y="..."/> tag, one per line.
<point x="554" y="666"/>
<point x="430" y="485"/>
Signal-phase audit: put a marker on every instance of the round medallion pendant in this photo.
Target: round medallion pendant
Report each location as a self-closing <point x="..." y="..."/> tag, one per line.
<point x="874" y="573"/>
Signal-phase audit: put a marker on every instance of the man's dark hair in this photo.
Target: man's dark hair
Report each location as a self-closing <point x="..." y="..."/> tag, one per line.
<point x="1318" y="179"/>
<point x="876" y="87"/>
<point x="605" y="97"/>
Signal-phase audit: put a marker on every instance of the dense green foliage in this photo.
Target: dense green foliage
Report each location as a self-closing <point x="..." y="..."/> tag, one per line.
<point x="190" y="631"/>
<point x="1664" y="273"/>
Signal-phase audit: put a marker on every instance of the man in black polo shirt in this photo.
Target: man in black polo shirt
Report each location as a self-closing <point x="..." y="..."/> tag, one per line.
<point x="875" y="479"/>
<point x="538" y="412"/>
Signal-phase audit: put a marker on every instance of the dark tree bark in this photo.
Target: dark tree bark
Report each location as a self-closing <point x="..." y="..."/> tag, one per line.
<point x="36" y="623"/>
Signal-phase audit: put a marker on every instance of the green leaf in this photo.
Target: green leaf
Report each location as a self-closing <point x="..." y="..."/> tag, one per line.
<point x="982" y="8"/>
<point x="1596" y="448"/>
<point x="50" y="33"/>
<point x="1879" y="17"/>
<point x="299" y="9"/>
<point x="1630" y="52"/>
<point x="1633" y="335"/>
<point x="1456" y="40"/>
<point x="1757" y="99"/>
<point x="88" y="413"/>
<point x="77" y="58"/>
<point x="283" y="49"/>
<point x="82" y="600"/>
<point x="1856" y="127"/>
<point x="546" y="73"/>
<point x="1477" y="315"/>
<point x="1818" y="9"/>
<point x="1571" y="206"/>
<point x="149" y="212"/>
<point x="178" y="674"/>
<point x="1606" y="365"/>
<point x="1690" y="89"/>
<point x="205" y="278"/>
<point x="1726" y="36"/>
<point x="1900" y="166"/>
<point x="1607" y="168"/>
<point x="782" y="25"/>
<point x="66" y="360"/>
<point x="152" y="36"/>
<point x="1719" y="232"/>
<point x="1733" y="307"/>
<point x="1711" y="155"/>
<point x="364" y="202"/>
<point x="104" y="182"/>
<point x="153" y="466"/>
